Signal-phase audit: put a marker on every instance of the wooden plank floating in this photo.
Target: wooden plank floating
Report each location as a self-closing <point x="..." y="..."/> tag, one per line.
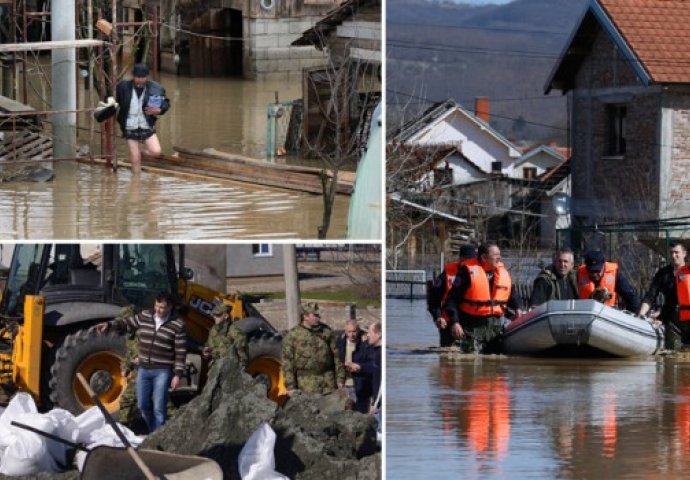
<point x="244" y="169"/>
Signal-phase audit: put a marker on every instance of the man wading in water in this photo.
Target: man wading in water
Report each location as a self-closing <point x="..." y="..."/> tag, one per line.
<point x="141" y="101"/>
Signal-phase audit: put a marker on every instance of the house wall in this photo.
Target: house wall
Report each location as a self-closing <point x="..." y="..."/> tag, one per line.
<point x="463" y="173"/>
<point x="267" y="50"/>
<point x="674" y="195"/>
<point x="208" y="263"/>
<point x="241" y="262"/>
<point x="266" y="34"/>
<point x="606" y="187"/>
<point x="358" y="38"/>
<point x="476" y="144"/>
<point x="541" y="161"/>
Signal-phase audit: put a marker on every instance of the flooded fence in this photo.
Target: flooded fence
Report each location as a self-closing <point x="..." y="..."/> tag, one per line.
<point x="410" y="284"/>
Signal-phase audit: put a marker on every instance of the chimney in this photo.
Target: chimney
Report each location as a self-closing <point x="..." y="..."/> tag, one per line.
<point x="481" y="108"/>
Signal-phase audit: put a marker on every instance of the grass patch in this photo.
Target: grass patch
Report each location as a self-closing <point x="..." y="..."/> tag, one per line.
<point x="343" y="295"/>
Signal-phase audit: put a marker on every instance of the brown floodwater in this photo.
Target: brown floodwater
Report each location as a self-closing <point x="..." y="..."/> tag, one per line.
<point x="496" y="417"/>
<point x="91" y="202"/>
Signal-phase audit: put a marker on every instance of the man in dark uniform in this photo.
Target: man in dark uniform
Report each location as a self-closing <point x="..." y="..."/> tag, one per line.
<point x="439" y="290"/>
<point x="558" y="281"/>
<point x="664" y="282"/>
<point x="480" y="296"/>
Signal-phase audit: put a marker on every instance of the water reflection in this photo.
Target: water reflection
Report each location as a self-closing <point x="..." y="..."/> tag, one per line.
<point x="512" y="417"/>
<point x="482" y="419"/>
<point x="86" y="201"/>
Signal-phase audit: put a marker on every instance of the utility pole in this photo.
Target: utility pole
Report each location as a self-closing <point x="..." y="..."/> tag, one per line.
<point x="64" y="80"/>
<point x="292" y="295"/>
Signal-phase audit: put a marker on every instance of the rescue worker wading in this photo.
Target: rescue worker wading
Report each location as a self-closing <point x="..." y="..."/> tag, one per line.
<point x="478" y="299"/>
<point x="683" y="290"/>
<point x="439" y="290"/>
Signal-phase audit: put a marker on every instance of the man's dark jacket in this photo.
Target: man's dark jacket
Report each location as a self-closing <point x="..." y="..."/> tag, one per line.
<point x="359" y="355"/>
<point x="549" y="286"/>
<point x="123" y="96"/>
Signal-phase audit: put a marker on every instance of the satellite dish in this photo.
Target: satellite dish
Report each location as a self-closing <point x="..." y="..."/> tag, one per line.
<point x="561" y="203"/>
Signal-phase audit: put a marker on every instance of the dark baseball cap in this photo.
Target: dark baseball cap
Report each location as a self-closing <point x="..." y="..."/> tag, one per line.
<point x="140" y="70"/>
<point x="594" y="261"/>
<point x="468" y="251"/>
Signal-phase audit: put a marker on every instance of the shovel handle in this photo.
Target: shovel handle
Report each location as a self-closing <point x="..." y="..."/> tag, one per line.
<point x="111" y="421"/>
<point x="50" y="436"/>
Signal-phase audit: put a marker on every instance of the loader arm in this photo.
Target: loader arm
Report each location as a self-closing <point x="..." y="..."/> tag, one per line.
<point x="26" y="354"/>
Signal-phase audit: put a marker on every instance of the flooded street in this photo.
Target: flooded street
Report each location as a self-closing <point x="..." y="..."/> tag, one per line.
<point x="512" y="417"/>
<point x="89" y="201"/>
<point x="228" y="114"/>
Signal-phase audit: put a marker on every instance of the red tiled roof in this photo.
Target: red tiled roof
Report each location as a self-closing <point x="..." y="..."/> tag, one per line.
<point x="658" y="31"/>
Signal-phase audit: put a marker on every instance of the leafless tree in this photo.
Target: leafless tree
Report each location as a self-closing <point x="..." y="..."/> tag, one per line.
<point x="339" y="100"/>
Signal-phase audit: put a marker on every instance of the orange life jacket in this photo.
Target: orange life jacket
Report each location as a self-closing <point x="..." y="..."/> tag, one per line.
<point x="481" y="301"/>
<point x="683" y="291"/>
<point x="451" y="270"/>
<point x="586" y="286"/>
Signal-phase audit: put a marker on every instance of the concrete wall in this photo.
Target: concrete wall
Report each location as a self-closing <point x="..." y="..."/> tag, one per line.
<point x="267" y="49"/>
<point x="605" y="187"/>
<point x="208" y="262"/>
<point x="243" y="263"/>
<point x="267" y="34"/>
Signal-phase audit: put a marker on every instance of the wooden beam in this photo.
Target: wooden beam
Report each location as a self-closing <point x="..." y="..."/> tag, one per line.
<point x="36" y="46"/>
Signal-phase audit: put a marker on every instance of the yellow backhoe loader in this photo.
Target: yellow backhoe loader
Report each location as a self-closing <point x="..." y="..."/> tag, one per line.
<point x="55" y="294"/>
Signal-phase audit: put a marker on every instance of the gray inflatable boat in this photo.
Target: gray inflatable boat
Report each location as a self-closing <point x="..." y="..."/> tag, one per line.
<point x="581" y="327"/>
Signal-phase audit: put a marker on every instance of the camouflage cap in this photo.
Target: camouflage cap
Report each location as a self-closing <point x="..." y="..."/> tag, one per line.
<point x="311" y="307"/>
<point x="220" y="309"/>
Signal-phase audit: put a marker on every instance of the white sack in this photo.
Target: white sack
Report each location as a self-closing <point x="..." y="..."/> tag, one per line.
<point x="256" y="460"/>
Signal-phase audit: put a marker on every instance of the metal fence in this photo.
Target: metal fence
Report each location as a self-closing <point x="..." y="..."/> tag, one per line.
<point x="406" y="284"/>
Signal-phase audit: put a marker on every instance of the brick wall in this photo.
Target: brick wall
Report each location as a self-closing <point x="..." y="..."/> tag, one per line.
<point x="676" y="184"/>
<point x="606" y="187"/>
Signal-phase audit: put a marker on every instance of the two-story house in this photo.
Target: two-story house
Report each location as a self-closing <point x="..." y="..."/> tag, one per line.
<point x="627" y="70"/>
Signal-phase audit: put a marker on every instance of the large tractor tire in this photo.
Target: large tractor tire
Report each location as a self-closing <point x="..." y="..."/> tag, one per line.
<point x="98" y="357"/>
<point x="265" y="351"/>
<point x="254" y="326"/>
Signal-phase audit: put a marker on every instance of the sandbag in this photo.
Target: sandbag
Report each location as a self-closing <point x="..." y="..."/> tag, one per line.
<point x="256" y="460"/>
<point x="26" y="453"/>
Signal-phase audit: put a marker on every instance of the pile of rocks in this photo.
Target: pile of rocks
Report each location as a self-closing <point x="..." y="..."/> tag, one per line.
<point x="316" y="437"/>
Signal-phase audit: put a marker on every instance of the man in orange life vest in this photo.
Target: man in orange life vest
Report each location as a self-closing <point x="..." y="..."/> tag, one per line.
<point x="603" y="281"/>
<point x="673" y="282"/>
<point x="481" y="294"/>
<point x="439" y="290"/>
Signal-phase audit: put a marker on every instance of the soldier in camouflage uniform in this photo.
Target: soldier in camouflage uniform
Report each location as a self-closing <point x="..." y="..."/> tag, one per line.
<point x="310" y="357"/>
<point x="128" y="400"/>
<point x="224" y="335"/>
